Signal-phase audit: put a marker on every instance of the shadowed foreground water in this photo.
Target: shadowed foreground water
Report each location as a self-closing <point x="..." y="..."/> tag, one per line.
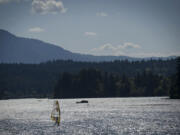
<point x="121" y="116"/>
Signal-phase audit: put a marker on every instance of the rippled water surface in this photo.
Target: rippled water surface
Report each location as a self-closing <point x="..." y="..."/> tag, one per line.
<point x="121" y="116"/>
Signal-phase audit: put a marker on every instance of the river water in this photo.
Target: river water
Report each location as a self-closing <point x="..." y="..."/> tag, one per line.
<point x="111" y="116"/>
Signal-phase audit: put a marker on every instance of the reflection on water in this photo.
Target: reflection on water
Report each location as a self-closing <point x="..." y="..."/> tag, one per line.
<point x="100" y="116"/>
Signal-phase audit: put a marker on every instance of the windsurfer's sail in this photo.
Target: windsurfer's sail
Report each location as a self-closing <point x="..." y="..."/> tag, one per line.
<point x="55" y="114"/>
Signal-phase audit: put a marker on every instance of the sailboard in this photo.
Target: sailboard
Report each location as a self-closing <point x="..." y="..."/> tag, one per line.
<point x="56" y="114"/>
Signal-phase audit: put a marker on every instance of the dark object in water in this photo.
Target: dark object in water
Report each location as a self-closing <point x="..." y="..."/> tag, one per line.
<point x="82" y="101"/>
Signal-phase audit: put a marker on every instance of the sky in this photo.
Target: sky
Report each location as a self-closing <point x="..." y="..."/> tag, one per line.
<point x="136" y="28"/>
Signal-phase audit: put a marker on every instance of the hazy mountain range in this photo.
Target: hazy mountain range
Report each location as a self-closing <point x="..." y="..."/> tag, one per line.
<point x="15" y="49"/>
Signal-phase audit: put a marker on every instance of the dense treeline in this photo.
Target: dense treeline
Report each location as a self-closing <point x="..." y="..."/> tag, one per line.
<point x="39" y="80"/>
<point x="95" y="83"/>
<point x="175" y="84"/>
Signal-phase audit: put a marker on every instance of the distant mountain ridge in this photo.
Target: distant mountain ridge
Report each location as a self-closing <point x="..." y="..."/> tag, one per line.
<point x="15" y="49"/>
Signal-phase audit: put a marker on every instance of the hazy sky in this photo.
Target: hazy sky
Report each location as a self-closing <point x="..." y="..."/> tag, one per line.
<point x="138" y="28"/>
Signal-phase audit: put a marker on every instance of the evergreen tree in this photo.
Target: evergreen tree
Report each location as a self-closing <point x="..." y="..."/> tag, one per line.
<point x="175" y="83"/>
<point x="178" y="76"/>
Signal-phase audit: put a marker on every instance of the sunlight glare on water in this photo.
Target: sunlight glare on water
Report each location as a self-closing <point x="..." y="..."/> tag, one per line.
<point x="119" y="116"/>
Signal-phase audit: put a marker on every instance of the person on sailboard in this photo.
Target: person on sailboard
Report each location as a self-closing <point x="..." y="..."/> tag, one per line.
<point x="55" y="114"/>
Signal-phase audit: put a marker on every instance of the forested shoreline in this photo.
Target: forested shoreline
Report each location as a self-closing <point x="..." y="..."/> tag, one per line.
<point x="89" y="83"/>
<point x="68" y="79"/>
